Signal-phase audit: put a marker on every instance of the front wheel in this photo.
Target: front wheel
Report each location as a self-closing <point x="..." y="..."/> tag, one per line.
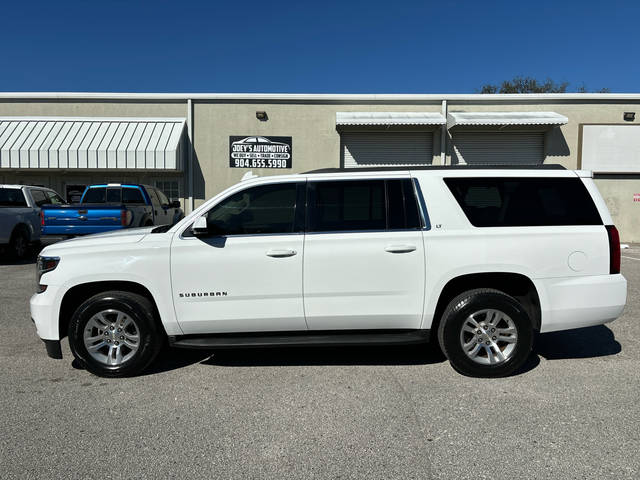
<point x="485" y="333"/>
<point x="114" y="334"/>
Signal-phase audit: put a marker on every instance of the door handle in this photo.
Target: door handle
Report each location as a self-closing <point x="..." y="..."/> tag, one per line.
<point x="281" y="253"/>
<point x="400" y="248"/>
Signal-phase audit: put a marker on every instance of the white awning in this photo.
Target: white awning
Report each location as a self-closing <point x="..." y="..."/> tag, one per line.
<point x="504" y="118"/>
<point x="389" y="118"/>
<point x="91" y="143"/>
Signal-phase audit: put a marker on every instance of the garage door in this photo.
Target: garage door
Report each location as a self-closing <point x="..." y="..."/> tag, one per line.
<point x="379" y="149"/>
<point x="502" y="148"/>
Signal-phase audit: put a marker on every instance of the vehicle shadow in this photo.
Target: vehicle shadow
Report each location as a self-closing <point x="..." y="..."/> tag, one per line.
<point x="598" y="341"/>
<point x="330" y="355"/>
<point x="588" y="342"/>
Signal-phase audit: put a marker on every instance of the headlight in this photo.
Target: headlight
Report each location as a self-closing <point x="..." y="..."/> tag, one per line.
<point x="44" y="265"/>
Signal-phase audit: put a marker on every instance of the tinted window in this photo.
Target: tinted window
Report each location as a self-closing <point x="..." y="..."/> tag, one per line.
<point x="132" y="195"/>
<point x="95" y="195"/>
<point x="402" y="207"/>
<point x="347" y="205"/>
<point x="38" y="197"/>
<point x="152" y="195"/>
<point x="362" y="205"/>
<point x="114" y="195"/>
<point x="263" y="209"/>
<point x="12" y="197"/>
<point x="519" y="202"/>
<point x="162" y="198"/>
<point x="54" y="199"/>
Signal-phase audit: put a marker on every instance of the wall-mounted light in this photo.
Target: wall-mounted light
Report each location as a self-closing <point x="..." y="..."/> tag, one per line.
<point x="629" y="116"/>
<point x="262" y="116"/>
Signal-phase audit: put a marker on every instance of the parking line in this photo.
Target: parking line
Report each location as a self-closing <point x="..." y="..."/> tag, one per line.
<point x="632" y="258"/>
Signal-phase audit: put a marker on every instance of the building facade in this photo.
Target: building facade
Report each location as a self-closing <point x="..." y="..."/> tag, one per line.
<point x="194" y="145"/>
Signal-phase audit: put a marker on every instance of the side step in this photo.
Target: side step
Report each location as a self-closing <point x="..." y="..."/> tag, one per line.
<point x="301" y="339"/>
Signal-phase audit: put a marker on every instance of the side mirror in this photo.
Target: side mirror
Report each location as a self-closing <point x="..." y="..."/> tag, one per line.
<point x="199" y="227"/>
<point x="174" y="204"/>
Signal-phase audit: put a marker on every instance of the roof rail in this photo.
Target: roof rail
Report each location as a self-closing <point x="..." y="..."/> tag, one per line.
<point x="546" y="166"/>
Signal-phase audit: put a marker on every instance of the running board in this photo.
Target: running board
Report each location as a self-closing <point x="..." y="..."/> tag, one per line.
<point x="298" y="339"/>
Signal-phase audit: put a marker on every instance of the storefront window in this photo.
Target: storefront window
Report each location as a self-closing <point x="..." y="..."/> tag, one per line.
<point x="170" y="188"/>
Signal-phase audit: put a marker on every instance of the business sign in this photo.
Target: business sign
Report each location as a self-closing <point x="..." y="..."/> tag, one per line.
<point x="260" y="152"/>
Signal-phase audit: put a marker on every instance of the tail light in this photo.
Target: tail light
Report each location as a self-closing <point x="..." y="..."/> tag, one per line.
<point x="41" y="218"/>
<point x="614" y="249"/>
<point x="125" y="217"/>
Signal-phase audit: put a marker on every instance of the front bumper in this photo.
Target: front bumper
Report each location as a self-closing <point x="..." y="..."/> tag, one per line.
<point x="44" y="313"/>
<point x="53" y="349"/>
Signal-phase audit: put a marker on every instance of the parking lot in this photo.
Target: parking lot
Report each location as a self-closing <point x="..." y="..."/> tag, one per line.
<point x="573" y="412"/>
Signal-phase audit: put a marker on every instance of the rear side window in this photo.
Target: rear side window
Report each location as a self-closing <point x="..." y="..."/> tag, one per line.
<point x="12" y="197"/>
<point x="361" y="205"/>
<point x="524" y="202"/>
<point x="132" y="195"/>
<point x="95" y="195"/>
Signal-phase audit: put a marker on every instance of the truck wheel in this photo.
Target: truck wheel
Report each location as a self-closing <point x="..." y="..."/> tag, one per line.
<point x="485" y="333"/>
<point x="114" y="334"/>
<point x="19" y="243"/>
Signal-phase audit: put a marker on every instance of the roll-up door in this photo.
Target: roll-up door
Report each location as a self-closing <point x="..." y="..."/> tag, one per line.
<point x="504" y="148"/>
<point x="379" y="149"/>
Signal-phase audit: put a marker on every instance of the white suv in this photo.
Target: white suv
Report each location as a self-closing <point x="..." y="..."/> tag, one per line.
<point x="481" y="258"/>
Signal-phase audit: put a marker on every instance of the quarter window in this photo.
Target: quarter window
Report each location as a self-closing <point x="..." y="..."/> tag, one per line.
<point x="257" y="210"/>
<point x="522" y="202"/>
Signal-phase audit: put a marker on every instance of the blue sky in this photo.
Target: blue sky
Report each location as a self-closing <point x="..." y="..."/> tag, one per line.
<point x="325" y="47"/>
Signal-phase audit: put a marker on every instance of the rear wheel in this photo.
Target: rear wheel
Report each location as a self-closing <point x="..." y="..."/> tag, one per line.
<point x="485" y="333"/>
<point x="19" y="243"/>
<point x="114" y="334"/>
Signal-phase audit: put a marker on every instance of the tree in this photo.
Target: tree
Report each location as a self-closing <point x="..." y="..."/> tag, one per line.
<point x="531" y="85"/>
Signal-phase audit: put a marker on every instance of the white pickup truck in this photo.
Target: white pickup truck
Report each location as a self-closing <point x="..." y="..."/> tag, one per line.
<point x="480" y="258"/>
<point x="20" y="218"/>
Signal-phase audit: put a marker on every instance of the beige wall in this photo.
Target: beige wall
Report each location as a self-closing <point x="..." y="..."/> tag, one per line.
<point x="618" y="194"/>
<point x="316" y="142"/>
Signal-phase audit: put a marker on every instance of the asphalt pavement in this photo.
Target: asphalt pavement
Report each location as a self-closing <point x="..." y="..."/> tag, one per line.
<point x="573" y="412"/>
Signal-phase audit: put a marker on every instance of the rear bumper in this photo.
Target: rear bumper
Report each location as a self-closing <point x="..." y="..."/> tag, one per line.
<point x="78" y="229"/>
<point x="577" y="302"/>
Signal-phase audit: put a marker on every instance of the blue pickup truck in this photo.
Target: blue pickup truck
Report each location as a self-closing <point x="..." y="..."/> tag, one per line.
<point x="110" y="207"/>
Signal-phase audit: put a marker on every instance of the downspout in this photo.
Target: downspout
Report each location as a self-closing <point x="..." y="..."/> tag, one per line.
<point x="190" y="161"/>
<point x="443" y="135"/>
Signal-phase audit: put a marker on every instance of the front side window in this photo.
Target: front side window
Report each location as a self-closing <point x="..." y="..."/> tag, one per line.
<point x="54" y="199"/>
<point x="258" y="210"/>
<point x="39" y="197"/>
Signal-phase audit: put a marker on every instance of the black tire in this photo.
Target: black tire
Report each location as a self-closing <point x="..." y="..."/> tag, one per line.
<point x="140" y="310"/>
<point x="453" y="320"/>
<point x="19" y="243"/>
